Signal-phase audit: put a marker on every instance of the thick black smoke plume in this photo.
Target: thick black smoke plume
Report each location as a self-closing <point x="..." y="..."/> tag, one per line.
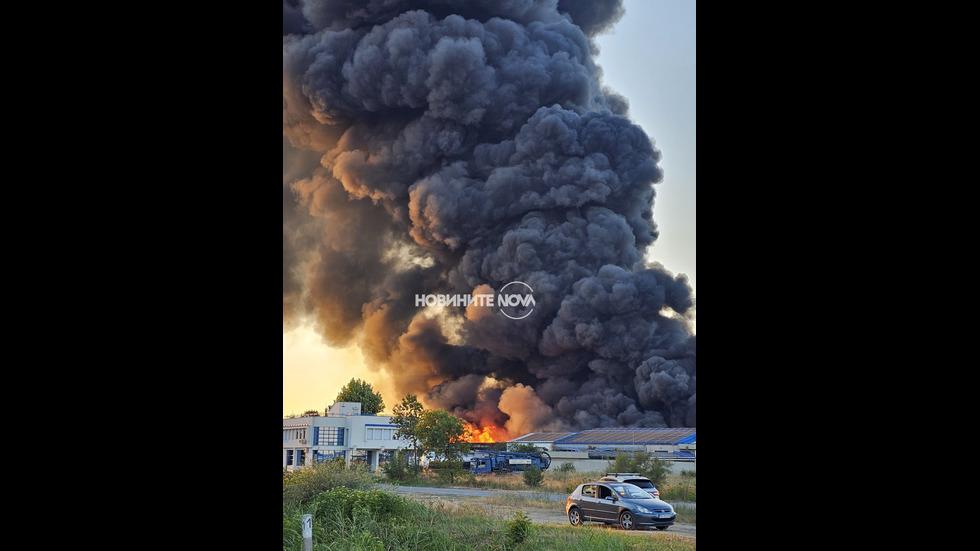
<point x="452" y="147"/>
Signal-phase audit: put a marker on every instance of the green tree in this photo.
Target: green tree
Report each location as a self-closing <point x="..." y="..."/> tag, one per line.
<point x="406" y="418"/>
<point x="361" y="391"/>
<point x="533" y="475"/>
<point x="397" y="470"/>
<point x="641" y="462"/>
<point x="444" y="434"/>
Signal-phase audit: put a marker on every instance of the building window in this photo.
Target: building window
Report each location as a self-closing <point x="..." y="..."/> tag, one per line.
<point x="289" y="457"/>
<point x="324" y="456"/>
<point x="331" y="436"/>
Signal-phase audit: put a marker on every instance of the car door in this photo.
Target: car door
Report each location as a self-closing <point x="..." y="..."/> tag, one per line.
<point x="607" y="506"/>
<point x="588" y="503"/>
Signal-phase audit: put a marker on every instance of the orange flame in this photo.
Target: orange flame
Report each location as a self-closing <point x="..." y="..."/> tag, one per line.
<point x="488" y="434"/>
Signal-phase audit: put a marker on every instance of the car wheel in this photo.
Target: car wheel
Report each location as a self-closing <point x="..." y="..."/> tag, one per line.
<point x="574" y="517"/>
<point x="626" y="520"/>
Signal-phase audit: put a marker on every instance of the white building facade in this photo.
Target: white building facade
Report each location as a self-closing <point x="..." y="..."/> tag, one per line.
<point x="342" y="432"/>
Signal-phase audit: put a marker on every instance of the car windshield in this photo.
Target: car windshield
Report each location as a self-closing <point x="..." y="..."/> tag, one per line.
<point x="630" y="491"/>
<point x="640" y="483"/>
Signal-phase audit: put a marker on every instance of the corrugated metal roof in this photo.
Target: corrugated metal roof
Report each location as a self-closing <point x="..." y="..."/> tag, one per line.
<point x="688" y="440"/>
<point x="542" y="436"/>
<point x="632" y="436"/>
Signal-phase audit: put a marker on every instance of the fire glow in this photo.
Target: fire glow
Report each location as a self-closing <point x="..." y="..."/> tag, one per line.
<point x="487" y="435"/>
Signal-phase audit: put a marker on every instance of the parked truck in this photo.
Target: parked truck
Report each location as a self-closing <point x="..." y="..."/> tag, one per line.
<point x="487" y="461"/>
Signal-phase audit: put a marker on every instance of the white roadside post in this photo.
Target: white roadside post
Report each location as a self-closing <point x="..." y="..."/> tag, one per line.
<point x="307" y="532"/>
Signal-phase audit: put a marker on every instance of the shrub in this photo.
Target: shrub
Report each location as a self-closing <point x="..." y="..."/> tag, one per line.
<point x="519" y="528"/>
<point x="566" y="467"/>
<point x="347" y="503"/>
<point x="533" y="476"/>
<point x="305" y="483"/>
<point x="398" y="469"/>
<point x="683" y="492"/>
<point x="451" y="472"/>
<point x="641" y="462"/>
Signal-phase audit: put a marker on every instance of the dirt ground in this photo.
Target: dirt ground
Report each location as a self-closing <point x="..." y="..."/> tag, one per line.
<point x="503" y="506"/>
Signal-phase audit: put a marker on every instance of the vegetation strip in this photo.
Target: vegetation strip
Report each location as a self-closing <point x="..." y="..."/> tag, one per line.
<point x="351" y="512"/>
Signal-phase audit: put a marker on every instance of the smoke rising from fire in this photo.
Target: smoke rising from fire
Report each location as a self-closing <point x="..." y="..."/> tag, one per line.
<point x="451" y="147"/>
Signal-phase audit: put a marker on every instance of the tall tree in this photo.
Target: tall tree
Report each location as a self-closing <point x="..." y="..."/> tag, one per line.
<point x="361" y="391"/>
<point x="406" y="418"/>
<point x="445" y="434"/>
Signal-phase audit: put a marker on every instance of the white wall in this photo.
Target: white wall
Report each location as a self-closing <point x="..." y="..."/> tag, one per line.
<point x="582" y="463"/>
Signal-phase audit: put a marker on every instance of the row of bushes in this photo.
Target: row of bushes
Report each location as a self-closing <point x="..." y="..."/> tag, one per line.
<point x="373" y="520"/>
<point x="304" y="484"/>
<point x="309" y="481"/>
<point x="646" y="464"/>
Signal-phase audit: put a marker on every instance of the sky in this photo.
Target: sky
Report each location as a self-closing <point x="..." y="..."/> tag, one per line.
<point x="660" y="83"/>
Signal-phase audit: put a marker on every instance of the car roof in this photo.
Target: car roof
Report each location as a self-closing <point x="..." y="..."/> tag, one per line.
<point x="600" y="482"/>
<point x="607" y="483"/>
<point x="620" y="478"/>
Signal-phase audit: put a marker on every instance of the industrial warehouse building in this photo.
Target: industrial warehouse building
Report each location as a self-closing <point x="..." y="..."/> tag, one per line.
<point x="342" y="432"/>
<point x="591" y="449"/>
<point x="345" y="432"/>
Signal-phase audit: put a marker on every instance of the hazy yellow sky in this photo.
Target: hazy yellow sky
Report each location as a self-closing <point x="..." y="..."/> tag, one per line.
<point x="313" y="373"/>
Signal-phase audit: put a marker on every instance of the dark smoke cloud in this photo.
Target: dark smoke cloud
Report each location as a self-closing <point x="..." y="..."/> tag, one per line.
<point x="451" y="147"/>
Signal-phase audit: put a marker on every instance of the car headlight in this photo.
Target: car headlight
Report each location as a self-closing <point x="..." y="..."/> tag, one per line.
<point x="644" y="510"/>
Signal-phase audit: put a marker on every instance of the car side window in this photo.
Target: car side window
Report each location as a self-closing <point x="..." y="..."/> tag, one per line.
<point x="603" y="492"/>
<point x="588" y="491"/>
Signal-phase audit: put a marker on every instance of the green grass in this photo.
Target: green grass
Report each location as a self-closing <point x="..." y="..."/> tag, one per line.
<point x="442" y="528"/>
<point x="600" y="538"/>
<point x="349" y="513"/>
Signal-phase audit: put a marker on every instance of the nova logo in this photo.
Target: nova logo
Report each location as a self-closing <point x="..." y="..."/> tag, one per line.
<point x="515" y="300"/>
<point x="519" y="303"/>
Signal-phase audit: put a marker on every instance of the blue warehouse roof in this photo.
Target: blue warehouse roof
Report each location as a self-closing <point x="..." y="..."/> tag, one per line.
<point x="688" y="439"/>
<point x="631" y="436"/>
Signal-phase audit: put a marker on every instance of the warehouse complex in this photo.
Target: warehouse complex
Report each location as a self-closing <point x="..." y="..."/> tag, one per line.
<point x="344" y="432"/>
<point x="674" y="444"/>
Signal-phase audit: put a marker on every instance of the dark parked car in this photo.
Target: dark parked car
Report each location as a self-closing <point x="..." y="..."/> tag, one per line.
<point x="618" y="503"/>
<point x="632" y="478"/>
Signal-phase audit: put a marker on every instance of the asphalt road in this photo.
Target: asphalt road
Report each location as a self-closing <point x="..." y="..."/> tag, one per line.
<point x="471" y="492"/>
<point x="490" y="493"/>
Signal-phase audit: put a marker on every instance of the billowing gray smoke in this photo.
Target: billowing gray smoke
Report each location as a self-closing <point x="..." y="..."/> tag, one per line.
<point x="453" y="146"/>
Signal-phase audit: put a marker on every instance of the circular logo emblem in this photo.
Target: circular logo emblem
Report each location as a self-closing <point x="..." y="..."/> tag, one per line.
<point x="516" y="300"/>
